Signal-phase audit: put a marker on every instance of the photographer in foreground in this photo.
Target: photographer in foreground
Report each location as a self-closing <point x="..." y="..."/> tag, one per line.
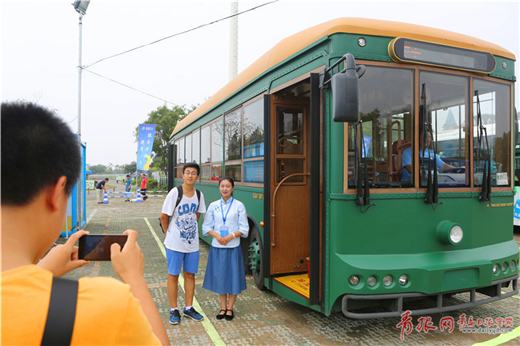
<point x="33" y="211"/>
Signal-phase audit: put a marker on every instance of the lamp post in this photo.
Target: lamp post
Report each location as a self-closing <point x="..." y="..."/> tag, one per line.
<point x="81" y="8"/>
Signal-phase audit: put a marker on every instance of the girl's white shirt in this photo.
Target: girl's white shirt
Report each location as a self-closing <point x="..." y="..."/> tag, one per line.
<point x="236" y="220"/>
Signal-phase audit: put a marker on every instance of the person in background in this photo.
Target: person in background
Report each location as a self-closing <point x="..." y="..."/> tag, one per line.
<point x="108" y="312"/>
<point x="99" y="190"/>
<point x="226" y="222"/>
<point x="144" y="187"/>
<point x="128" y="186"/>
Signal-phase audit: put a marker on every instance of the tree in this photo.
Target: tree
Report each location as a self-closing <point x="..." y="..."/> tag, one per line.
<point x="131" y="167"/>
<point x="97" y="169"/>
<point x="166" y="119"/>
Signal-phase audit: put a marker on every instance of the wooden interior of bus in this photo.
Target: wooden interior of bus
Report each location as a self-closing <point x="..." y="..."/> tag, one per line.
<point x="289" y="190"/>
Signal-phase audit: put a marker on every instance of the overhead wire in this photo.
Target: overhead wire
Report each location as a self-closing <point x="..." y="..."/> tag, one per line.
<point x="85" y="68"/>
<point x="183" y="32"/>
<point x="127" y="86"/>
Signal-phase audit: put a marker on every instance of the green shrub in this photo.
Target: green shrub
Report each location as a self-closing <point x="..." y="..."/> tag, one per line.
<point x="152" y="184"/>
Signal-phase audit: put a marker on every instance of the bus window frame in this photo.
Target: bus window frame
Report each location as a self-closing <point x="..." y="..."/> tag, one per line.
<point x="211" y="162"/>
<point x="260" y="98"/>
<point x="179" y="165"/>
<point x="239" y="161"/>
<point x="415" y="187"/>
<point x="512" y="144"/>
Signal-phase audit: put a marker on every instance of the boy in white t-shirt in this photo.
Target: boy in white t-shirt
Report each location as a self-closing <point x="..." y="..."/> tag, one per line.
<point x="182" y="240"/>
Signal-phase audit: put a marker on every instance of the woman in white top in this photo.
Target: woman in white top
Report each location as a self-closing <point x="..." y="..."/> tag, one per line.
<point x="226" y="222"/>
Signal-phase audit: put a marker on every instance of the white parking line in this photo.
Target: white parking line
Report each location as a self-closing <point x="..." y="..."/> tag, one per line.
<point x="206" y="323"/>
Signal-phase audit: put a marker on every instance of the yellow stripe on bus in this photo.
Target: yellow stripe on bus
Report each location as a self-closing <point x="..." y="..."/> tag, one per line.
<point x="208" y="326"/>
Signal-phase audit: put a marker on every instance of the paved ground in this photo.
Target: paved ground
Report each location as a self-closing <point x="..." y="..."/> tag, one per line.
<point x="263" y="318"/>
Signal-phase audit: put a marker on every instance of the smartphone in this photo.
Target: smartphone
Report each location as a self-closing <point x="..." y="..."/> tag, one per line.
<point x="96" y="247"/>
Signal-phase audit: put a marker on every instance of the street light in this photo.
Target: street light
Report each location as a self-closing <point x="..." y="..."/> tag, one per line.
<point x="81" y="8"/>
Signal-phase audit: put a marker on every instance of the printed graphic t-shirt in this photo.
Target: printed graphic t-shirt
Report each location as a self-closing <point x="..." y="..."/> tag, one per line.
<point x="182" y="235"/>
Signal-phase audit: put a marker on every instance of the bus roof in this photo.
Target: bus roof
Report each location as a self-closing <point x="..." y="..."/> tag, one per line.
<point x="295" y="43"/>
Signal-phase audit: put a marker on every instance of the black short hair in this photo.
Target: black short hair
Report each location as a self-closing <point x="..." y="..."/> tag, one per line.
<point x="37" y="149"/>
<point x="191" y="165"/>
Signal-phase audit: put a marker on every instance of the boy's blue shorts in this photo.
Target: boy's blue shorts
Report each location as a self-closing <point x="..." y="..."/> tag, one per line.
<point x="175" y="260"/>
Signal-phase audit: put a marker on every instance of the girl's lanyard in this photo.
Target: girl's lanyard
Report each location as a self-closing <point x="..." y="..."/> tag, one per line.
<point x="224" y="230"/>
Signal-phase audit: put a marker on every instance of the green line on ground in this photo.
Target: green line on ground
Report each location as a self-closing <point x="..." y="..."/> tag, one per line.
<point x="206" y="323"/>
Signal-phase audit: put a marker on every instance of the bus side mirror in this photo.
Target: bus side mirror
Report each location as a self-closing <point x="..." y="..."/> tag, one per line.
<point x="345" y="91"/>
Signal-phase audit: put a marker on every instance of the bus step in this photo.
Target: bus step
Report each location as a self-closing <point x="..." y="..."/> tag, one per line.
<point x="297" y="283"/>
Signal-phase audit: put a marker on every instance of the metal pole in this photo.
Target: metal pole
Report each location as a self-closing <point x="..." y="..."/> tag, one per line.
<point x="80" y="68"/>
<point x="233" y="42"/>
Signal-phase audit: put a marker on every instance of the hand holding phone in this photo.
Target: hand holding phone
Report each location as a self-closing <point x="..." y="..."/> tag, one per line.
<point x="96" y="247"/>
<point x="64" y="257"/>
<point x="128" y="262"/>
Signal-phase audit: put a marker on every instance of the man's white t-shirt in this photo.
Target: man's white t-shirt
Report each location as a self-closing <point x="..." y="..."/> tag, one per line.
<point x="182" y="234"/>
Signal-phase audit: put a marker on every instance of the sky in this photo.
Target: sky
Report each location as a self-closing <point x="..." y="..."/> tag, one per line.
<point x="40" y="51"/>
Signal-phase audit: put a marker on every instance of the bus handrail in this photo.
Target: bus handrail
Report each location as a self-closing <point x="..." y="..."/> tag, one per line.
<point x="274" y="202"/>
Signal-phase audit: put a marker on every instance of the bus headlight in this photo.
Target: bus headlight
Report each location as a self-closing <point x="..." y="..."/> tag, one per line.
<point x="512" y="265"/>
<point x="354" y="280"/>
<point x="387" y="280"/>
<point x="371" y="281"/>
<point x="504" y="267"/>
<point x="496" y="268"/>
<point x="403" y="280"/>
<point x="449" y="233"/>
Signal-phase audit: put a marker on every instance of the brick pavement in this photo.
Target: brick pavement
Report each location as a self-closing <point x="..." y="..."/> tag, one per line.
<point x="261" y="317"/>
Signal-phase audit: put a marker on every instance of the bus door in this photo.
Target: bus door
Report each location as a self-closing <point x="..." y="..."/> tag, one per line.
<point x="289" y="187"/>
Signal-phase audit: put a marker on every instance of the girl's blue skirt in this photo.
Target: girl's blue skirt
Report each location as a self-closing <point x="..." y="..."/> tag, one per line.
<point x="225" y="271"/>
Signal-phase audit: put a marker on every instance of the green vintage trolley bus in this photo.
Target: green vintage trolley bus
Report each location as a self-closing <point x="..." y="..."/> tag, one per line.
<point x="375" y="161"/>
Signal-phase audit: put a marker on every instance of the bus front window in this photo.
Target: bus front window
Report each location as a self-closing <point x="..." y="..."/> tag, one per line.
<point x="386" y="109"/>
<point x="446" y="119"/>
<point x="495" y="109"/>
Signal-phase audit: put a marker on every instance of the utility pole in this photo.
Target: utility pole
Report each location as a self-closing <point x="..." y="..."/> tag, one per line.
<point x="81" y="8"/>
<point x="233" y="42"/>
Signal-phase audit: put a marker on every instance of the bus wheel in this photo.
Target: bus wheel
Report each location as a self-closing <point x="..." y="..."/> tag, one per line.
<point x="256" y="259"/>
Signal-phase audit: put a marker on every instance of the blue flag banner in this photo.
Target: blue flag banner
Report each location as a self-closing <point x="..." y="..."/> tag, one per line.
<point x="366" y="145"/>
<point x="144" y="148"/>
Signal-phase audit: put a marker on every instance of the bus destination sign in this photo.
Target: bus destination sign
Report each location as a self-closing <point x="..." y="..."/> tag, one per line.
<point x="406" y="50"/>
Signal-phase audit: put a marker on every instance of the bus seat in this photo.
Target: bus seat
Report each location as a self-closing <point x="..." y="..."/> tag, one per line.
<point x="397" y="151"/>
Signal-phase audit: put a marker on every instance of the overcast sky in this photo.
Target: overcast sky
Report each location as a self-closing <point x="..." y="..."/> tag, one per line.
<point x="40" y="52"/>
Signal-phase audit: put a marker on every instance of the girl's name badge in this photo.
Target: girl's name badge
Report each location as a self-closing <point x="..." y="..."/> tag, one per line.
<point x="224" y="231"/>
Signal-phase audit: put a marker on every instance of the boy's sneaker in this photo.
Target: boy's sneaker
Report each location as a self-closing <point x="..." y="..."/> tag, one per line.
<point x="193" y="314"/>
<point x="175" y="317"/>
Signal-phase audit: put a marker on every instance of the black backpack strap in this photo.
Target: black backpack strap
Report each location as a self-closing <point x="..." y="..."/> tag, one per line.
<point x="179" y="197"/>
<point x="198" y="196"/>
<point x="62" y="312"/>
